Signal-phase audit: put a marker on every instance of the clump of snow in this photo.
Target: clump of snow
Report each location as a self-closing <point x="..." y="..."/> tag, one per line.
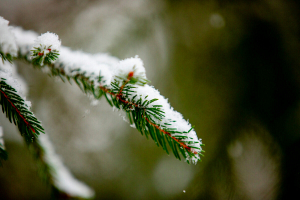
<point x="48" y="41"/>
<point x="7" y="38"/>
<point x="134" y="65"/>
<point x="63" y="179"/>
<point x="92" y="66"/>
<point x="44" y="45"/>
<point x="94" y="102"/>
<point x="24" y="39"/>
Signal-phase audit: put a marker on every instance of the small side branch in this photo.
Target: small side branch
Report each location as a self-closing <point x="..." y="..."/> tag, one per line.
<point x="18" y="112"/>
<point x="130" y="104"/>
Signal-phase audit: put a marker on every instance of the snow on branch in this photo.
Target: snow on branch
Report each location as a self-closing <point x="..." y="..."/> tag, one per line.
<point x="15" y="106"/>
<point x="8" y="47"/>
<point x="17" y="110"/>
<point x="124" y="85"/>
<point x="46" y="48"/>
<point x="62" y="179"/>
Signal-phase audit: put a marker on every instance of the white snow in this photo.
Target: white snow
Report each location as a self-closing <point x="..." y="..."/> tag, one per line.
<point x="7" y="39"/>
<point x="91" y="65"/>
<point x="9" y="73"/>
<point x="24" y="40"/>
<point x="48" y="41"/>
<point x="94" y="102"/>
<point x="134" y="65"/>
<point x="63" y="179"/>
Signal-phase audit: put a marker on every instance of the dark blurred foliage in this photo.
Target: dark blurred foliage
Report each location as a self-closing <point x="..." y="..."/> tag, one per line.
<point x="254" y="63"/>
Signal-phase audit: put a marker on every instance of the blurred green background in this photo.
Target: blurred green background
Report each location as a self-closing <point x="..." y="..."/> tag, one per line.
<point x="230" y="67"/>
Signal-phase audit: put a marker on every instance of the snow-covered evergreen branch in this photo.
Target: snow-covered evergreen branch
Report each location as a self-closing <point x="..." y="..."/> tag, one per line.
<point x="123" y="84"/>
<point x="17" y="110"/>
<point x="51" y="169"/>
<point x="8" y="47"/>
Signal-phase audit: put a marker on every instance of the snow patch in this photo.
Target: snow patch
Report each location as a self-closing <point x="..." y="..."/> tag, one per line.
<point x="134" y="65"/>
<point x="63" y="179"/>
<point x="48" y="41"/>
<point x="7" y="38"/>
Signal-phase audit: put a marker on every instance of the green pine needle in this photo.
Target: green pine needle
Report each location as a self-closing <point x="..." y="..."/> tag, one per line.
<point x="18" y="113"/>
<point x="5" y="57"/>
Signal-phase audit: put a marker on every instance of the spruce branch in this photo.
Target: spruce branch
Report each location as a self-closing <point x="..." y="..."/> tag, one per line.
<point x="18" y="112"/>
<point x="142" y="116"/>
<point x="43" y="55"/>
<point x="138" y="113"/>
<point x="45" y="49"/>
<point x="123" y="84"/>
<point x="50" y="171"/>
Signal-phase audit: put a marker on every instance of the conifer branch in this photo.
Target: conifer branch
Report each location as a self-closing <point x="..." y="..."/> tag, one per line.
<point x="17" y="112"/>
<point x="157" y="133"/>
<point x="137" y="111"/>
<point x="122" y="83"/>
<point x="121" y="90"/>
